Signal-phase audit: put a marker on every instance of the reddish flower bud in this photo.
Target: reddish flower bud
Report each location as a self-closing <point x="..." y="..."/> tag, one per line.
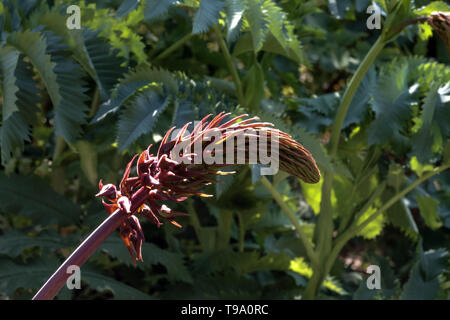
<point x="162" y="178"/>
<point x="133" y="237"/>
<point x="107" y="191"/>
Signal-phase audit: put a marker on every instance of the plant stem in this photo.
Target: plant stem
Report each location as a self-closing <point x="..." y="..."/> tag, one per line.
<point x="324" y="229"/>
<point x="313" y="286"/>
<point x="301" y="233"/>
<point x="353" y="231"/>
<point x="231" y="67"/>
<point x="404" y="24"/>
<point x="51" y="288"/>
<point x="357" y="78"/>
<point x="173" y="47"/>
<point x="350" y="92"/>
<point x="323" y="233"/>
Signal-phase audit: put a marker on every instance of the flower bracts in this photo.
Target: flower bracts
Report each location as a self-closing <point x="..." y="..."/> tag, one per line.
<point x="178" y="171"/>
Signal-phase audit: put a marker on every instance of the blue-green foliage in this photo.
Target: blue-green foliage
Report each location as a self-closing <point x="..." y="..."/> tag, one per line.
<point x="77" y="104"/>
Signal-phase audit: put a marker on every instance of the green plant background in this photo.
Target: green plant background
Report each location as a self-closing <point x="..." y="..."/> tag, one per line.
<point x="77" y="104"/>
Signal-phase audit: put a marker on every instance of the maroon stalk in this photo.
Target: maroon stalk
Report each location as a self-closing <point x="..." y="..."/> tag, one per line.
<point x="51" y="288"/>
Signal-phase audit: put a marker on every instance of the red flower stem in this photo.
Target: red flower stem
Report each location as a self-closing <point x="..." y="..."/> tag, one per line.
<point x="51" y="288"/>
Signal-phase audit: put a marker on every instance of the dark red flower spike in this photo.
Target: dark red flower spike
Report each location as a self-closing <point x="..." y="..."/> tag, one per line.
<point x="161" y="178"/>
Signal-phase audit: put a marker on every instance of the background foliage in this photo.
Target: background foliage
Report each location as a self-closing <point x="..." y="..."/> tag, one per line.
<point x="77" y="104"/>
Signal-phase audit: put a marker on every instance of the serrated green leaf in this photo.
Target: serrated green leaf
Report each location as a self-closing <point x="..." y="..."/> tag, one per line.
<point x="126" y="7"/>
<point x="33" y="275"/>
<point x="435" y="106"/>
<point x="400" y="216"/>
<point x="358" y="107"/>
<point x="103" y="62"/>
<point x="156" y="8"/>
<point x="344" y="197"/>
<point x="431" y="7"/>
<point x="423" y="282"/>
<point x="234" y="11"/>
<point x="391" y="104"/>
<point x="172" y="261"/>
<point x="29" y="95"/>
<point x="152" y="255"/>
<point x="139" y="117"/>
<point x="91" y="51"/>
<point x="429" y="74"/>
<point x="374" y="228"/>
<point x="33" y="45"/>
<point x="397" y="11"/>
<point x="257" y="22"/>
<point x="318" y="112"/>
<point x="12" y="243"/>
<point x="32" y="197"/>
<point x="282" y="32"/>
<point x="120" y="32"/>
<point x="254" y="87"/>
<point x="131" y="84"/>
<point x="312" y="194"/>
<point x="419" y="168"/>
<point x="396" y="176"/>
<point x="207" y="15"/>
<point x="361" y="5"/>
<point x="62" y="78"/>
<point x="425" y="31"/>
<point x="298" y="265"/>
<point x="185" y="112"/>
<point x="8" y="63"/>
<point x="271" y="44"/>
<point x="433" y="262"/>
<point x="15" y="130"/>
<point x="418" y="289"/>
<point x="429" y="211"/>
<point x="120" y="290"/>
<point x="389" y="282"/>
